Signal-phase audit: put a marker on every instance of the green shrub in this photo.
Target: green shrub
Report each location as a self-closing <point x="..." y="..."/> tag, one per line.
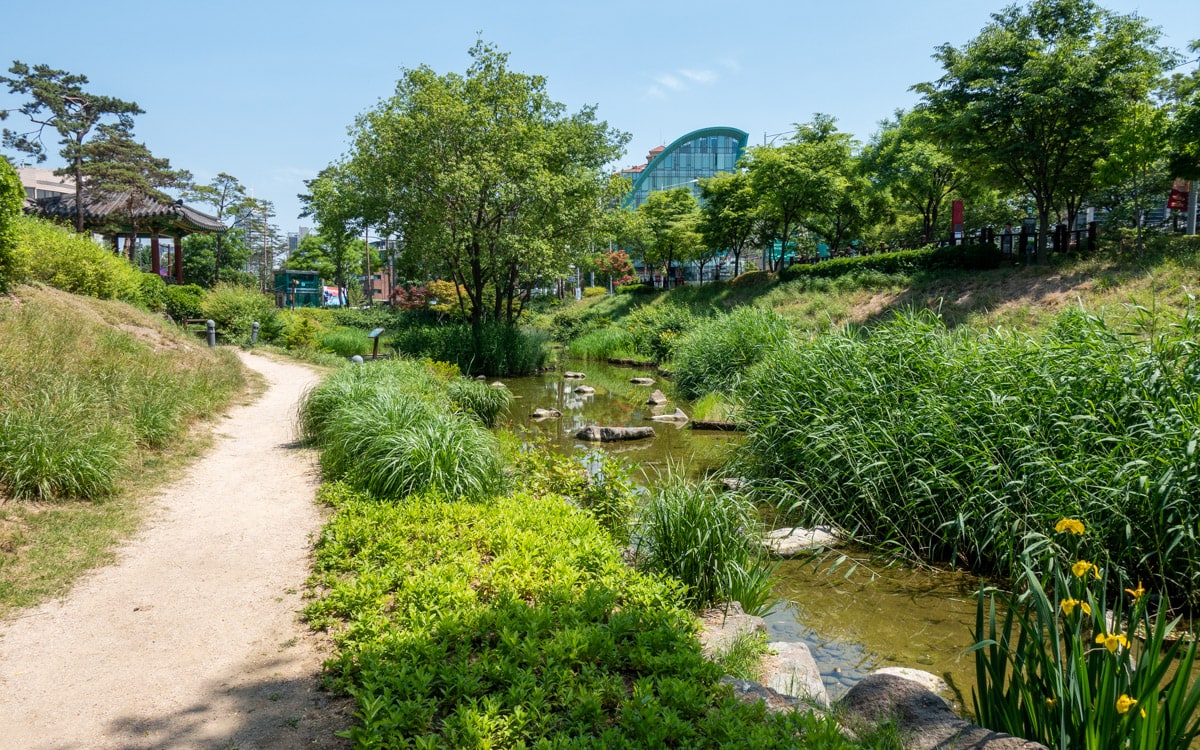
<point x="184" y="301"/>
<point x="73" y="263"/>
<point x="752" y="278"/>
<point x="594" y="291"/>
<point x="655" y="329"/>
<point x="712" y="542"/>
<point x="572" y="322"/>
<point x="516" y="624"/>
<point x="967" y="257"/>
<point x="12" y="198"/>
<point x="714" y="355"/>
<point x="152" y="292"/>
<point x="635" y="289"/>
<point x="235" y="309"/>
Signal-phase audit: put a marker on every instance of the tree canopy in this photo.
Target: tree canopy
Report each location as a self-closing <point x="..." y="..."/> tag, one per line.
<point x="1032" y="101"/>
<point x="483" y="177"/>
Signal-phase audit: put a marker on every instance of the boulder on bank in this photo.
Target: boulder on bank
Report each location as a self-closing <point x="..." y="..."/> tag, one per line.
<point x="574" y="375"/>
<point x="789" y="542"/>
<point x="751" y="692"/>
<point x="927" y="680"/>
<point x="541" y="414"/>
<point x="926" y="720"/>
<point x="596" y="434"/>
<point x="678" y="416"/>
<point x="720" y="627"/>
<point x="657" y="398"/>
<point x="642" y="381"/>
<point x="790" y="669"/>
<point x="498" y="384"/>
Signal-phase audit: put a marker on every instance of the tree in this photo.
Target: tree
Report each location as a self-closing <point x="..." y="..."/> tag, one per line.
<point x="916" y="172"/>
<point x="671" y="218"/>
<point x="334" y="200"/>
<point x="1184" y="135"/>
<point x="484" y="177"/>
<point x="227" y="197"/>
<point x="57" y="100"/>
<point x="1134" y="172"/>
<point x="312" y="254"/>
<point x="115" y="165"/>
<point x="1034" y="99"/>
<point x="729" y="218"/>
<point x="12" y="198"/>
<point x="800" y="181"/>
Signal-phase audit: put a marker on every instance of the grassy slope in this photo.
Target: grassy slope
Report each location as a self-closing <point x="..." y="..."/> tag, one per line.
<point x="46" y="545"/>
<point x="1013" y="297"/>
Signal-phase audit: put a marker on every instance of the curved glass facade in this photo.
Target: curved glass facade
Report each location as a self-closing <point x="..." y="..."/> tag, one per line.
<point x="701" y="153"/>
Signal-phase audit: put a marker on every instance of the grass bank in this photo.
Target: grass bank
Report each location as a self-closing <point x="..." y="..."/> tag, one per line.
<point x="96" y="399"/>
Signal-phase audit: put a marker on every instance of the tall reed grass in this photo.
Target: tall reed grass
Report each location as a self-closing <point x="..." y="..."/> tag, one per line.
<point x="603" y="343"/>
<point x="495" y="349"/>
<point x="714" y="355"/>
<point x="711" y="541"/>
<point x="953" y="445"/>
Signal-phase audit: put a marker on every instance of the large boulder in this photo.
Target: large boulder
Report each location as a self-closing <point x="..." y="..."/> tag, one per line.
<point x="540" y="414"/>
<point x="656" y="398"/>
<point x="574" y="375"/>
<point x="596" y="434"/>
<point x="678" y="416"/>
<point x="926" y="720"/>
<point x="750" y="692"/>
<point x="791" y="669"/>
<point x="789" y="542"/>
<point x="585" y="390"/>
<point x="642" y="381"/>
<point x="720" y="627"/>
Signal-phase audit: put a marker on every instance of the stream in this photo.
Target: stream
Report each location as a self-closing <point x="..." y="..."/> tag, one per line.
<point x="853" y="616"/>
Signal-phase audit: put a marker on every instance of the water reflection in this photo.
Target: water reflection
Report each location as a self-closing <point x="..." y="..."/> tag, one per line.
<point x="853" y="624"/>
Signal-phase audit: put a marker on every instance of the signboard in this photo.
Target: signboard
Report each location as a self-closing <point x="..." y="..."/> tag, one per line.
<point x="1178" y="200"/>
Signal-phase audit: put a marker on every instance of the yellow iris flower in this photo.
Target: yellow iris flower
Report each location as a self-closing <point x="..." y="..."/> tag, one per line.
<point x="1136" y="593"/>
<point x="1124" y="703"/>
<point x="1072" y="525"/>
<point x="1068" y="606"/>
<point x="1112" y="642"/>
<point x="1081" y="568"/>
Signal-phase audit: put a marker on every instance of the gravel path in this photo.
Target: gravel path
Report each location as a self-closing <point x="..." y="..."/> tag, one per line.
<point x="191" y="639"/>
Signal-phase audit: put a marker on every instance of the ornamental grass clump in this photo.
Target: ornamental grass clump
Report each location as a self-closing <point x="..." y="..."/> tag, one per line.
<point x="713" y="356"/>
<point x="1079" y="658"/>
<point x="709" y="540"/>
<point x="394" y="428"/>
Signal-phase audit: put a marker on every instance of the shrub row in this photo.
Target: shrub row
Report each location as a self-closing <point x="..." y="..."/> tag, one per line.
<point x="970" y="257"/>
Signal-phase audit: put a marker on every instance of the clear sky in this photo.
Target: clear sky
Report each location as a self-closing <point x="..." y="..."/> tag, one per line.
<point x="266" y="90"/>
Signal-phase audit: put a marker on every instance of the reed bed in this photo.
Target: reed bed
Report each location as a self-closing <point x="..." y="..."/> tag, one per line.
<point x="713" y="356"/>
<point x="952" y="446"/>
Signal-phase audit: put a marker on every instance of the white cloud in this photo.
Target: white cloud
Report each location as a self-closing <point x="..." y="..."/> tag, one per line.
<point x="670" y="81"/>
<point x="679" y="80"/>
<point x="699" y="76"/>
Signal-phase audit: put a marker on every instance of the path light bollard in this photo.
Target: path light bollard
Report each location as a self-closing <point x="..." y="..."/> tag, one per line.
<point x="212" y="333"/>
<point x="254" y="333"/>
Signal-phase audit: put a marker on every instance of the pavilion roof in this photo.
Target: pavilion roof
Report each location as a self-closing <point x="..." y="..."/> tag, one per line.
<point x="106" y="212"/>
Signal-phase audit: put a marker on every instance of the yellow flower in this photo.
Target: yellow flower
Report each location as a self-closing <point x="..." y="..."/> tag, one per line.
<point x="1136" y="593"/>
<point x="1051" y="702"/>
<point x="1124" y="703"/>
<point x="1069" y="524"/>
<point x="1069" y="605"/>
<point x="1112" y="642"/>
<point x="1081" y="568"/>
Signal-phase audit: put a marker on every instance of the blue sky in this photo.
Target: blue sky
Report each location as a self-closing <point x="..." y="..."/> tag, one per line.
<point x="266" y="90"/>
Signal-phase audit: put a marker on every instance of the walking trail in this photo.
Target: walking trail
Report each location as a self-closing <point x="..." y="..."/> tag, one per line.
<point x="192" y="638"/>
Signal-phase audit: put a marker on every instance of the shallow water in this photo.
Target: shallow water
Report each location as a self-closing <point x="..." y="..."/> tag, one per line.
<point x="854" y="624"/>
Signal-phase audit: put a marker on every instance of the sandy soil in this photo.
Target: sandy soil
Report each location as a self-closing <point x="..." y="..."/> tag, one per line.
<point x="192" y="639"/>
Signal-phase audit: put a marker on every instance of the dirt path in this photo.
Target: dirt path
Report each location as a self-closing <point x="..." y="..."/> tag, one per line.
<point x="191" y="640"/>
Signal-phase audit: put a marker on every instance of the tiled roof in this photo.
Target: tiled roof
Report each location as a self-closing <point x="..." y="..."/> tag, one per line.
<point x="115" y="207"/>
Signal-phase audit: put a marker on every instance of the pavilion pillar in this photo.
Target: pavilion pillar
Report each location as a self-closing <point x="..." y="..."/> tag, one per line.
<point x="116" y="243"/>
<point x="155" y="258"/>
<point x="179" y="258"/>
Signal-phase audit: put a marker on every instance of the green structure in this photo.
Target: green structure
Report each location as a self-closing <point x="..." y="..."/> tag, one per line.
<point x="297" y="289"/>
<point x="690" y="158"/>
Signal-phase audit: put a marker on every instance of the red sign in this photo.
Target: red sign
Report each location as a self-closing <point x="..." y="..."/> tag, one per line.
<point x="956" y="210"/>
<point x="1179" y="196"/>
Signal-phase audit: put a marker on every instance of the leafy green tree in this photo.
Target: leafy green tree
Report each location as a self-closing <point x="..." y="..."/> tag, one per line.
<point x="729" y="216"/>
<point x="201" y="265"/>
<point x="1184" y="135"/>
<point x="672" y="222"/>
<point x="484" y="176"/>
<point x="57" y="100"/>
<point x="227" y="197"/>
<point x="1033" y="100"/>
<point x="800" y="182"/>
<point x="1134" y="173"/>
<point x="334" y="200"/>
<point x="12" y="198"/>
<point x="312" y="254"/>
<point x="917" y="173"/>
<point x="115" y="165"/>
